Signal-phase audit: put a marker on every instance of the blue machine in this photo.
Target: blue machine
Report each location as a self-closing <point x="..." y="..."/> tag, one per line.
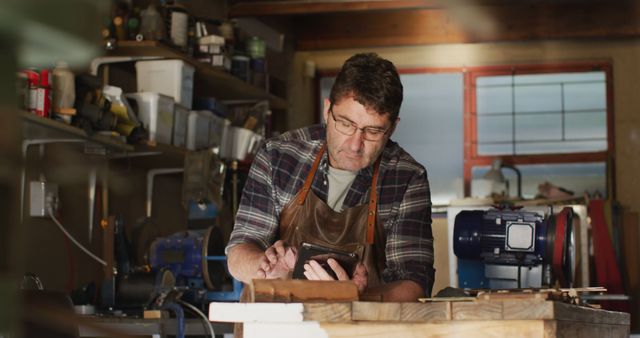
<point x="504" y="249"/>
<point x="196" y="260"/>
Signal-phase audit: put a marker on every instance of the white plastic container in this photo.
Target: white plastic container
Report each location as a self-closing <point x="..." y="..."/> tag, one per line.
<point x="169" y="77"/>
<point x="198" y="127"/>
<point x="155" y="111"/>
<point x="217" y="128"/>
<point x="238" y="142"/>
<point x="180" y="125"/>
<point x="64" y="87"/>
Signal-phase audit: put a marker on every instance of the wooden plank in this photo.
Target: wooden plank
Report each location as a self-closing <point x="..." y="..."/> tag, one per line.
<point x="155" y="314"/>
<point x="38" y="127"/>
<point x="264" y="8"/>
<point x="512" y="328"/>
<point x="376" y="29"/>
<point x="255" y="312"/>
<point x="279" y="312"/>
<point x="480" y="310"/>
<point x="275" y="290"/>
<point x="466" y="24"/>
<point x="567" y="312"/>
<point x="527" y="309"/>
<point x="327" y="312"/>
<point x="440" y="250"/>
<point x="373" y="311"/>
<point x="419" y="312"/>
<point x="586" y="330"/>
<point x="404" y="312"/>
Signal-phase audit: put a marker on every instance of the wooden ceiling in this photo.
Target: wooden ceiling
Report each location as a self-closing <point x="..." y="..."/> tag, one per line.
<point x="352" y="24"/>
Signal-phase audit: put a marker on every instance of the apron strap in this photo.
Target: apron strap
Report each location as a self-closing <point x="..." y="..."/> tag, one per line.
<point x="373" y="196"/>
<point x="307" y="183"/>
<point x="373" y="203"/>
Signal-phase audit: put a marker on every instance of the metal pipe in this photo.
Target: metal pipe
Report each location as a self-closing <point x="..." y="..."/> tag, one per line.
<point x="519" y="177"/>
<point x="151" y="174"/>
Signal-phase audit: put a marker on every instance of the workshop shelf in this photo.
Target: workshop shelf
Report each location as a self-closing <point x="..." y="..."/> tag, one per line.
<point x="214" y="80"/>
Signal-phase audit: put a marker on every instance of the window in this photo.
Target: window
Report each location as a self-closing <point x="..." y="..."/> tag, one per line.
<point x="553" y="122"/>
<point x="547" y="118"/>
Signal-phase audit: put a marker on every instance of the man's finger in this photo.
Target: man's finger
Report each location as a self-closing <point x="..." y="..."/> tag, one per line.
<point x="361" y="269"/>
<point x="319" y="270"/>
<point x="264" y="265"/>
<point x="337" y="268"/>
<point x="279" y="248"/>
<point x="361" y="277"/>
<point x="271" y="255"/>
<point x="310" y="273"/>
<point x="290" y="258"/>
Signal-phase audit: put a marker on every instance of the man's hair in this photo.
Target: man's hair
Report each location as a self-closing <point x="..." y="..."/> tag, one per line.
<point x="372" y="81"/>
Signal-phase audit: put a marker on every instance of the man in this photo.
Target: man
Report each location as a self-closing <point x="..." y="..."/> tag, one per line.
<point x="342" y="185"/>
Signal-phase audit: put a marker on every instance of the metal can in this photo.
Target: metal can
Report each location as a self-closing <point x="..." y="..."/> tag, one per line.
<point x="33" y="81"/>
<point x="43" y="107"/>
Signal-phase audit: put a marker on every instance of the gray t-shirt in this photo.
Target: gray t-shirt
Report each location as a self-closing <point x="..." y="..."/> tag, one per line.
<point x="339" y="184"/>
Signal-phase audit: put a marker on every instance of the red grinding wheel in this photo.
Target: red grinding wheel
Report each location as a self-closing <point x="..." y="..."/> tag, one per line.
<point x="562" y="263"/>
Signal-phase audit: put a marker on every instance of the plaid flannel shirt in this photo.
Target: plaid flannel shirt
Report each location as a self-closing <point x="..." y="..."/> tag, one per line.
<point x="404" y="203"/>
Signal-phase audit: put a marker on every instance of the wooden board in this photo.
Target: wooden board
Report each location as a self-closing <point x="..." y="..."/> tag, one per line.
<point x="581" y="329"/>
<point x="275" y="290"/>
<point x="441" y="251"/>
<point x="376" y="311"/>
<point x="482" y="318"/>
<point x="397" y="330"/>
<point x="493" y="329"/>
<point x="507" y="310"/>
<point x="280" y="312"/>
<point x="582" y="314"/>
<point x="481" y="310"/>
<point x="331" y="313"/>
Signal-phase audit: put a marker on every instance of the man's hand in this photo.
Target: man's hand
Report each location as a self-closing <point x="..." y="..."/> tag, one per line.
<point x="278" y="261"/>
<point x="314" y="271"/>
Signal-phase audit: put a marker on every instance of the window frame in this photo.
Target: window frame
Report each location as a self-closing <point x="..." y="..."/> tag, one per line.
<point x="470" y="120"/>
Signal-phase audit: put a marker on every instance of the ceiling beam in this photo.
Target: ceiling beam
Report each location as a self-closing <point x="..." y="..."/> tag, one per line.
<point x="467" y="24"/>
<point x="304" y="7"/>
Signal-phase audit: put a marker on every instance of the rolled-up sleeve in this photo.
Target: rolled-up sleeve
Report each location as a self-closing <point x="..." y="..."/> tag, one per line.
<point x="256" y="220"/>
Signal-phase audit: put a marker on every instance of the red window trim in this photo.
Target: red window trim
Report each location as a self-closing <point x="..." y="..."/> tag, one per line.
<point x="471" y="157"/>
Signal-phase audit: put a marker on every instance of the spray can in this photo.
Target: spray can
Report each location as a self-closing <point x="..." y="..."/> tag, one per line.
<point x="33" y="81"/>
<point x="43" y="105"/>
<point x="177" y="24"/>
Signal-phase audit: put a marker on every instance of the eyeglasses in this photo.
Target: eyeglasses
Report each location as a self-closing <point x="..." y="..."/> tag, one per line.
<point x="349" y="128"/>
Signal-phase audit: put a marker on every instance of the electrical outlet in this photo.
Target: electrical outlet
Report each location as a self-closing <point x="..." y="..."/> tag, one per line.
<point x="42" y="194"/>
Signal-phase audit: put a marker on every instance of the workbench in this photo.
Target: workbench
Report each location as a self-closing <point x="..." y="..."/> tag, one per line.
<point x="460" y="318"/>
<point x="112" y="326"/>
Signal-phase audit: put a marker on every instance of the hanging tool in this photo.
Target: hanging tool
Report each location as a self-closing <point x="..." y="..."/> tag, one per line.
<point x="92" y="199"/>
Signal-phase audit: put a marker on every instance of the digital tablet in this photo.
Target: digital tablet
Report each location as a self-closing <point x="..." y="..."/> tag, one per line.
<point x="321" y="254"/>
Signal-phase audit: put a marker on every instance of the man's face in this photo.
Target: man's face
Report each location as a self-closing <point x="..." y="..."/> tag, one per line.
<point x="369" y="131"/>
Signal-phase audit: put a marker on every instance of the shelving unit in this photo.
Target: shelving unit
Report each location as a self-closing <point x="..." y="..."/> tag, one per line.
<point x="217" y="82"/>
<point x="36" y="127"/>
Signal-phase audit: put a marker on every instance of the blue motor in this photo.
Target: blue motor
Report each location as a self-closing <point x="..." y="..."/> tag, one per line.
<point x="515" y="238"/>
<point x="185" y="255"/>
<point x="502" y="237"/>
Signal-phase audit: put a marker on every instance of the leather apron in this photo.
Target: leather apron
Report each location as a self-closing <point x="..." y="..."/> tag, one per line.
<point x="308" y="219"/>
